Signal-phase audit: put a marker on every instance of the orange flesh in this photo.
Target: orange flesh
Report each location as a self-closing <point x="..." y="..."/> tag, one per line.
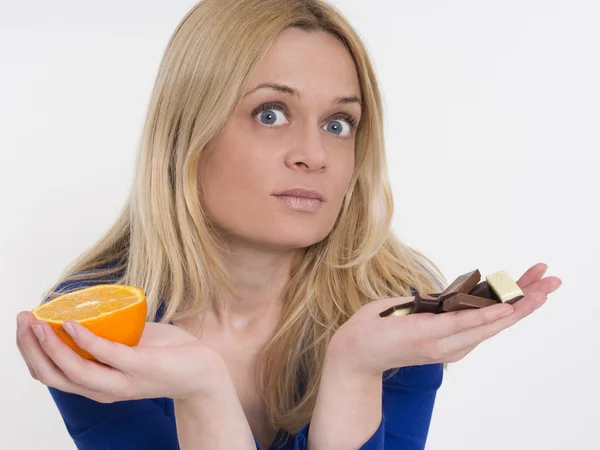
<point x="89" y="303"/>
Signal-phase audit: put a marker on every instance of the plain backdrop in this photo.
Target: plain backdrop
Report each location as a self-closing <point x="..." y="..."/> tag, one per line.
<point x="492" y="129"/>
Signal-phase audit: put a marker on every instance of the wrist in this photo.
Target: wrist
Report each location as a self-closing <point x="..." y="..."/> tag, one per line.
<point x="340" y="357"/>
<point x="348" y="409"/>
<point x="213" y="420"/>
<point x="218" y="389"/>
<point x="340" y="366"/>
<point x="212" y="380"/>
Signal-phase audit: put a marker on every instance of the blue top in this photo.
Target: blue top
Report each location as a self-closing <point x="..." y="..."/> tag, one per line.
<point x="149" y="424"/>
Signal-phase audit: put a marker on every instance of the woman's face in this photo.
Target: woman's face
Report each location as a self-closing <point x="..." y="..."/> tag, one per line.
<point x="301" y="141"/>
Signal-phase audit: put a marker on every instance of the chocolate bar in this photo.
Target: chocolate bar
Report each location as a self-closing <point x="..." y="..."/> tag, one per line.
<point x="466" y="292"/>
<point x="398" y="310"/>
<point x="483" y="290"/>
<point x="504" y="287"/>
<point x="427" y="303"/>
<point x="464" y="283"/>
<point x="421" y="303"/>
<point x="466" y="301"/>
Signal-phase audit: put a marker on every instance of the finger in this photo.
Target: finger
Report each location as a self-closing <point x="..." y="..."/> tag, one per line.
<point x="454" y="322"/>
<point x="80" y="371"/>
<point x="22" y="327"/>
<point x="532" y="274"/>
<point x="114" y="354"/>
<point x="26" y="359"/>
<point x="545" y="286"/>
<point x="472" y="337"/>
<point x="41" y="365"/>
<point x="46" y="371"/>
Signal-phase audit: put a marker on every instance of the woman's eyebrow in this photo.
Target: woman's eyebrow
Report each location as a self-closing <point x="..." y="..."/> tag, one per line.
<point x="291" y="91"/>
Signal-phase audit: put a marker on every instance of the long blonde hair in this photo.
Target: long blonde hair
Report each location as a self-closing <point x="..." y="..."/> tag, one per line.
<point x="164" y="243"/>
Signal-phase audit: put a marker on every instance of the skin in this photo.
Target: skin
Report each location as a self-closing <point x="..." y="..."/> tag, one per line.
<point x="365" y="346"/>
<point x="253" y="159"/>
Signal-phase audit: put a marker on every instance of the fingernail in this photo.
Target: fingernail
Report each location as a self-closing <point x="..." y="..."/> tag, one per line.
<point x="69" y="328"/>
<point x="39" y="332"/>
<point x="506" y="312"/>
<point x="22" y="322"/>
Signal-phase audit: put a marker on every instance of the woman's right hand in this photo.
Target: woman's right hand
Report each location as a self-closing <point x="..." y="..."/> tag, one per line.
<point x="167" y="362"/>
<point x="369" y="344"/>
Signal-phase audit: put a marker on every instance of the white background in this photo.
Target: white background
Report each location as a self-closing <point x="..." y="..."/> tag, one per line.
<point x="493" y="136"/>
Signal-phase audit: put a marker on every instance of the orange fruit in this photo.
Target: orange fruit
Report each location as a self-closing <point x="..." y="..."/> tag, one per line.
<point x="112" y="311"/>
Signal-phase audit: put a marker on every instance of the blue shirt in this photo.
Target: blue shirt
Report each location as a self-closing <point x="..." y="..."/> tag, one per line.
<point x="149" y="424"/>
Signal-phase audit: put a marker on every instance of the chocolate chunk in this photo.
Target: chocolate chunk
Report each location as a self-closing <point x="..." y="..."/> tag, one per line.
<point x="504" y="286"/>
<point x="398" y="310"/>
<point x="421" y="303"/>
<point x="484" y="290"/>
<point x="514" y="299"/>
<point x="466" y="292"/>
<point x="463" y="284"/>
<point x="466" y="301"/>
<point x="426" y="303"/>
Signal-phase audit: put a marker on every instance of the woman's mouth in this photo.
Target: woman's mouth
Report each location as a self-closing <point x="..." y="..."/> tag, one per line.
<point x="301" y="203"/>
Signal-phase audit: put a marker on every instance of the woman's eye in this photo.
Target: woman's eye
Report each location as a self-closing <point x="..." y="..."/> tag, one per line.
<point x="268" y="116"/>
<point x="273" y="115"/>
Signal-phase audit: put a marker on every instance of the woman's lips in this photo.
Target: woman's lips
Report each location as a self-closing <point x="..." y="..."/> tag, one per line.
<point x="301" y="203"/>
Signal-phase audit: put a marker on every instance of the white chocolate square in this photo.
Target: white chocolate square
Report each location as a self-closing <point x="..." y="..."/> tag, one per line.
<point x="503" y="286"/>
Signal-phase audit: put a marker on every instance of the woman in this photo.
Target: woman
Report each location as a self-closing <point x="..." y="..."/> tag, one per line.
<point x="259" y="227"/>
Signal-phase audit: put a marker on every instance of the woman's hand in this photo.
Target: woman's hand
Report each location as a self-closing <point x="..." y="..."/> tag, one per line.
<point x="370" y="344"/>
<point x="168" y="362"/>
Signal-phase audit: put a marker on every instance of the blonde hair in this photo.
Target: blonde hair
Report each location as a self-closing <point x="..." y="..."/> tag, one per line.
<point x="164" y="242"/>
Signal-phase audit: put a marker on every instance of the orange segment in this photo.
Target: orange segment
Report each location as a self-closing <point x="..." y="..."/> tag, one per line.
<point x="112" y="311"/>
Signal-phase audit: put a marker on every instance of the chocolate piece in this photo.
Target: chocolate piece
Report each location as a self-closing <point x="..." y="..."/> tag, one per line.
<point x="421" y="303"/>
<point x="466" y="292"/>
<point x="483" y="290"/>
<point x="463" y="284"/>
<point x="504" y="287"/>
<point x="514" y="300"/>
<point x="432" y="302"/>
<point x="426" y="303"/>
<point x="466" y="301"/>
<point x="398" y="310"/>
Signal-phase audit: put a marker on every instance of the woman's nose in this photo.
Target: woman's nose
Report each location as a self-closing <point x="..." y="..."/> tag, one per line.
<point x="308" y="150"/>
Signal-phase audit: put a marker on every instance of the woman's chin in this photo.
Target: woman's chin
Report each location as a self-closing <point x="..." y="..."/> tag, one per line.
<point x="286" y="241"/>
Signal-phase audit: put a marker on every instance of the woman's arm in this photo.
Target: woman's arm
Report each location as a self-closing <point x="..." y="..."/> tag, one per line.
<point x="216" y="422"/>
<point x="419" y="344"/>
<point x="359" y="411"/>
<point x="210" y="421"/>
<point x="348" y="411"/>
<point x="126" y="403"/>
<point x="147" y="424"/>
<point x="151" y="424"/>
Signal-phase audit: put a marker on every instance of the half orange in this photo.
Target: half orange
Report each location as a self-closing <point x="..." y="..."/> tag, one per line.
<point x="112" y="311"/>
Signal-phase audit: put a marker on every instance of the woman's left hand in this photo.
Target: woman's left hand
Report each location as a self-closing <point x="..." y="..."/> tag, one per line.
<point x="369" y="344"/>
<point x="168" y="362"/>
